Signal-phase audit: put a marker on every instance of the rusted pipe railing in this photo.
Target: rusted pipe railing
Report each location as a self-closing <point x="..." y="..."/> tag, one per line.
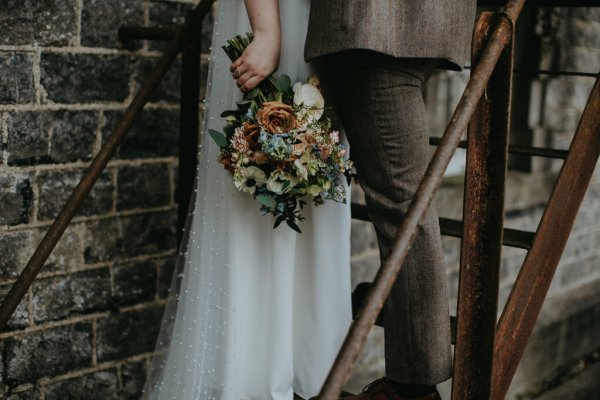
<point x="516" y="149"/>
<point x="532" y="284"/>
<point x="39" y="257"/>
<point x="387" y="274"/>
<point x="189" y="118"/>
<point x="483" y="218"/>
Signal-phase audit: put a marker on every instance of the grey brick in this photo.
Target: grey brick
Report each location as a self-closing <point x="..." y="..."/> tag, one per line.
<point x="585" y="13"/>
<point x="78" y="293"/>
<point x="28" y="138"/>
<point x="56" y="186"/>
<point x="132" y="236"/>
<point x="581" y="271"/>
<point x="133" y="376"/>
<point x="165" y="274"/>
<point x="16" y="197"/>
<point x="169" y="89"/>
<point x="580" y="59"/>
<point x="75" y="78"/>
<point x="101" y="385"/>
<point x="72" y="135"/>
<point x="102" y="240"/>
<point x="580" y="247"/>
<point x="127" y="334"/>
<point x="134" y="283"/>
<point x="16" y="78"/>
<point x="154" y="134"/>
<point x="580" y="33"/>
<point x="101" y="19"/>
<point x="20" y="318"/>
<point x="42" y="22"/>
<point x="72" y="132"/>
<point x="27" y="395"/>
<point x="149" y="233"/>
<point x="66" y="256"/>
<point x="14" y="253"/>
<point x="47" y="353"/>
<point x="143" y="186"/>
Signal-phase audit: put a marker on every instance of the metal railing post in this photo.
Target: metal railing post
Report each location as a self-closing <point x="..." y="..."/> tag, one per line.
<point x="483" y="218"/>
<point x="532" y="284"/>
<point x="189" y="118"/>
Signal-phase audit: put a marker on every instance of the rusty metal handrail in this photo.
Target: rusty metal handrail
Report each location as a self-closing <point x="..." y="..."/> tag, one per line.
<point x="531" y="286"/>
<point x="51" y="238"/>
<point x="387" y="274"/>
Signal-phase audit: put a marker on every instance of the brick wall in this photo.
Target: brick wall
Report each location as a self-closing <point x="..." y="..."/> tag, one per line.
<point x="86" y="327"/>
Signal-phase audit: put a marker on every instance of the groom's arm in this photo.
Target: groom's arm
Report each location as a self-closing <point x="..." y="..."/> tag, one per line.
<point x="261" y="57"/>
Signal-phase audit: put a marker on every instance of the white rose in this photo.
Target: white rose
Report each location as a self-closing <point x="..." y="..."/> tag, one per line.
<point x="277" y="180"/>
<point x="311" y="100"/>
<point x="301" y="169"/>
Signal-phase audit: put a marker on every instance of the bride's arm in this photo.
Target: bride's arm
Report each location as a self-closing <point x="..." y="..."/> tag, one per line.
<point x="261" y="57"/>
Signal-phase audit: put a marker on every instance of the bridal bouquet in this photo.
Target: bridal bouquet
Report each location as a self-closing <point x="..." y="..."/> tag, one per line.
<point x="279" y="146"/>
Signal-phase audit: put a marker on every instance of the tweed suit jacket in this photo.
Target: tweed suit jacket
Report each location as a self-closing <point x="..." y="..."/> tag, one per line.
<point x="400" y="28"/>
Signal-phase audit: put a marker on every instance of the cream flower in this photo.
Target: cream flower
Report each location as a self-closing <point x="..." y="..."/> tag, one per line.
<point x="247" y="179"/>
<point x="277" y="181"/>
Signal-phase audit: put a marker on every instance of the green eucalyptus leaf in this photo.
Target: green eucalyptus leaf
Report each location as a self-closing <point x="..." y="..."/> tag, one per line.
<point x="218" y="137"/>
<point x="283" y="83"/>
<point x="253" y="93"/>
<point x="266" y="200"/>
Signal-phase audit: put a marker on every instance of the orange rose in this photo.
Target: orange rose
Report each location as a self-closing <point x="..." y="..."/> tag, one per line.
<point x="251" y="134"/>
<point x="260" y="157"/>
<point x="276" y="117"/>
<point x="227" y="162"/>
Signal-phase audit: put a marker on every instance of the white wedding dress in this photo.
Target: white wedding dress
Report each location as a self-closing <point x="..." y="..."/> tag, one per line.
<point x="261" y="313"/>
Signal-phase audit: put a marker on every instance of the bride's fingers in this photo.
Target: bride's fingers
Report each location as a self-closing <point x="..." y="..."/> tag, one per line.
<point x="239" y="71"/>
<point x="243" y="79"/>
<point x="251" y="83"/>
<point x="235" y="64"/>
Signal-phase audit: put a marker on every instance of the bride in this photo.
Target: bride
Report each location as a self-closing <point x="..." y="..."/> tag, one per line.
<point x="253" y="313"/>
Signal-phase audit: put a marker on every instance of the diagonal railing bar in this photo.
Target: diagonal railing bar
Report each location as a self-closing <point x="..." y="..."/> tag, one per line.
<point x="388" y="272"/>
<point x="529" y="291"/>
<point x="43" y="250"/>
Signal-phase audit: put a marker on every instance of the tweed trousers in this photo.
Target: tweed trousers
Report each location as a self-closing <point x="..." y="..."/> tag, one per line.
<point x="379" y="101"/>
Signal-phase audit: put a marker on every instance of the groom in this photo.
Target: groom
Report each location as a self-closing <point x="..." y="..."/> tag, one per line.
<point x="373" y="58"/>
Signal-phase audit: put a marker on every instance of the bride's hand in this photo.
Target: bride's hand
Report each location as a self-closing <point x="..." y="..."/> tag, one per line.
<point x="257" y="62"/>
<point x="261" y="57"/>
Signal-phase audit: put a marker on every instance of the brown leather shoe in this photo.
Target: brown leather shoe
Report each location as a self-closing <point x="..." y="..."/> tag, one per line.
<point x="381" y="389"/>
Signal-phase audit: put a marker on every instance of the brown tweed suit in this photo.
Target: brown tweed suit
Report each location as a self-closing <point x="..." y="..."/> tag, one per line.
<point x="373" y="58"/>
